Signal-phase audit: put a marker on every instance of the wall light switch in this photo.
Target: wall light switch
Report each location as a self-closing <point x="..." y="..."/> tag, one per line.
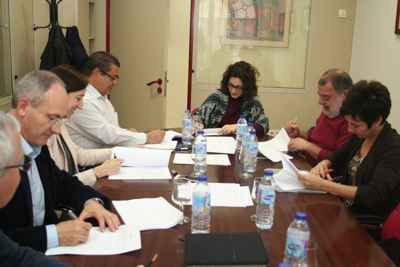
<point x="342" y="13"/>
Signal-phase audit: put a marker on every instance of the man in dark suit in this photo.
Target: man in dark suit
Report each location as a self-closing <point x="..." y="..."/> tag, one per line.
<point x="40" y="102"/>
<point x="10" y="253"/>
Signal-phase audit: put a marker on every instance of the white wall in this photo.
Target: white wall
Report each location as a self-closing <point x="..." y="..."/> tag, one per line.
<point x="376" y="49"/>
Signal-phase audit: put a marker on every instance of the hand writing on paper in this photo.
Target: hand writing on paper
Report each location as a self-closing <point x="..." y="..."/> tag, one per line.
<point x="74" y="232"/>
<point x="93" y="209"/>
<point x="155" y="136"/>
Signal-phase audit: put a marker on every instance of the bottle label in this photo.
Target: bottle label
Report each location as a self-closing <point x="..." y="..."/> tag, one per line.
<point x="296" y="244"/>
<point x="201" y="203"/>
<point x="201" y="148"/>
<point x="266" y="194"/>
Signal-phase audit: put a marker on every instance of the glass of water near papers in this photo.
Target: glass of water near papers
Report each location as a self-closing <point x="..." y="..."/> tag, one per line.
<point x="182" y="195"/>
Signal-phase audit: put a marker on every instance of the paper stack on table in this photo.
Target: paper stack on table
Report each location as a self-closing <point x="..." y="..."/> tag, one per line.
<point x="274" y="149"/>
<point x="286" y="180"/>
<point x="221" y="144"/>
<point x="212" y="131"/>
<point x="226" y="195"/>
<point x="125" y="239"/>
<point x="148" y="213"/>
<point x="167" y="142"/>
<point x="212" y="159"/>
<point x="142" y="163"/>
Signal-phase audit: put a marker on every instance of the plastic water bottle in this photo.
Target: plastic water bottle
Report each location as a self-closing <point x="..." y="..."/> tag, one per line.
<point x="199" y="154"/>
<point x="265" y="201"/>
<point x="187" y="129"/>
<point x="250" y="152"/>
<point x="201" y="206"/>
<point x="241" y="129"/>
<point x="298" y="235"/>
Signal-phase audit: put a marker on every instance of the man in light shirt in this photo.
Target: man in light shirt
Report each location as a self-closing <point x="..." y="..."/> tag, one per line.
<point x="96" y="124"/>
<point x="40" y="102"/>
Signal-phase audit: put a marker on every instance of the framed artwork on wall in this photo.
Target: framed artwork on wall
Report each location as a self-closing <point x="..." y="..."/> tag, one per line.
<point x="397" y="26"/>
<point x="257" y="22"/>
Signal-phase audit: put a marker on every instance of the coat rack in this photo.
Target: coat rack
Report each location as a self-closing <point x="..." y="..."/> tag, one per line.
<point x="53" y="10"/>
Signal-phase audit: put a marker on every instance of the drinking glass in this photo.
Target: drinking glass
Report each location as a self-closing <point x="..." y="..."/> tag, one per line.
<point x="181" y="195"/>
<point x="254" y="195"/>
<point x="197" y="122"/>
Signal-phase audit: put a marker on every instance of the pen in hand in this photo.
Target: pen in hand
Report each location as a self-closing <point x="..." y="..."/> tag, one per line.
<point x="152" y="260"/>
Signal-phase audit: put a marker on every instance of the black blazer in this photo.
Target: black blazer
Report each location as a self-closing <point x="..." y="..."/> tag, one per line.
<point x="60" y="189"/>
<point x="378" y="176"/>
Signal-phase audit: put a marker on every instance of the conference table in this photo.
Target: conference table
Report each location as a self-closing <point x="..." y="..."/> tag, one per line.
<point x="338" y="238"/>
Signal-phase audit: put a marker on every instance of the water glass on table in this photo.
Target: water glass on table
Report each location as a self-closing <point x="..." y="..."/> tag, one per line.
<point x="181" y="195"/>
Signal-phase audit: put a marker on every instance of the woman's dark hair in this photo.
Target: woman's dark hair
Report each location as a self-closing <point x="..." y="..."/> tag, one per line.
<point x="74" y="81"/>
<point x="246" y="73"/>
<point x="367" y="101"/>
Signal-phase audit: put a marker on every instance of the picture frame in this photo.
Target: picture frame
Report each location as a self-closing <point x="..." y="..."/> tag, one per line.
<point x="397" y="25"/>
<point x="257" y="23"/>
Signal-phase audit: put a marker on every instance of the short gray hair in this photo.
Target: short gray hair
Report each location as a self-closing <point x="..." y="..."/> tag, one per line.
<point x="8" y="128"/>
<point x="34" y="86"/>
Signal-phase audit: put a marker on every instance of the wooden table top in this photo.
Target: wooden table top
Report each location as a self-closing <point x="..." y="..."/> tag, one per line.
<point x="340" y="240"/>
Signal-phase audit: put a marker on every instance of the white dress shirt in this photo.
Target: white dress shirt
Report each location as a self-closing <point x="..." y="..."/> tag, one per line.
<point x="96" y="125"/>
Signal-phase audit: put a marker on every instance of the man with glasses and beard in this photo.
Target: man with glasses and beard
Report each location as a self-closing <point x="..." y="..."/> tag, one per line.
<point x="330" y="131"/>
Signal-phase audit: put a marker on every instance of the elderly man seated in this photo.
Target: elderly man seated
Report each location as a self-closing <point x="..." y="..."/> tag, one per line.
<point x="11" y="159"/>
<point x="40" y="102"/>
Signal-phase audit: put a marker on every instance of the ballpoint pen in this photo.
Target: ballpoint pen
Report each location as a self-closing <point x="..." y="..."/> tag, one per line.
<point x="152" y="260"/>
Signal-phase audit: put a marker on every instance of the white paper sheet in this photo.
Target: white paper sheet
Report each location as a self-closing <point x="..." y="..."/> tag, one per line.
<point x="142" y="157"/>
<point x="227" y="195"/>
<point x="212" y="132"/>
<point x="148" y="213"/>
<point x="212" y="159"/>
<point x="221" y="144"/>
<point x="125" y="239"/>
<point x="142" y="173"/>
<point x="286" y="180"/>
<point x="273" y="149"/>
<point x="167" y="142"/>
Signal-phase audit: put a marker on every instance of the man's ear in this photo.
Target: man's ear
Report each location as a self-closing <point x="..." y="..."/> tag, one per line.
<point x="22" y="107"/>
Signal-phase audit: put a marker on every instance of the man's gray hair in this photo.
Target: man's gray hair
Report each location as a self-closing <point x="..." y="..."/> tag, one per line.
<point x="8" y="128"/>
<point x="34" y="86"/>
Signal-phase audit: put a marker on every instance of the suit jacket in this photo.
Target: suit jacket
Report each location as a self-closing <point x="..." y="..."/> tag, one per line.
<point x="60" y="189"/>
<point x="82" y="157"/>
<point x="378" y="176"/>
<point x="12" y="255"/>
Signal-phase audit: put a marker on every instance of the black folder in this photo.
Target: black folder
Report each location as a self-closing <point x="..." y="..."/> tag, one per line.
<point x="223" y="250"/>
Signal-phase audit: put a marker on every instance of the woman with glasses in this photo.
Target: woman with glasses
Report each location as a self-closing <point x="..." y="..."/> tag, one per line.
<point x="365" y="172"/>
<point x="237" y="95"/>
<point x="66" y="154"/>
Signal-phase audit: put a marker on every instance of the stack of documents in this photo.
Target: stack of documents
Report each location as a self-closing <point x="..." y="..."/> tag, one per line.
<point x="125" y="239"/>
<point x="212" y="159"/>
<point x="142" y="163"/>
<point x="212" y="131"/>
<point x="221" y="144"/>
<point x="167" y="142"/>
<point x="226" y="195"/>
<point x="148" y="213"/>
<point x="273" y="149"/>
<point x="286" y="180"/>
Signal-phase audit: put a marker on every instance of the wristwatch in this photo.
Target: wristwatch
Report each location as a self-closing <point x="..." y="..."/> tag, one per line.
<point x="99" y="200"/>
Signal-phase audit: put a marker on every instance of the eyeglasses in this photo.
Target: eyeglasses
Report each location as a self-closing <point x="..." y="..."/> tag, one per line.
<point x="238" y="87"/>
<point x="25" y="166"/>
<point x="112" y="78"/>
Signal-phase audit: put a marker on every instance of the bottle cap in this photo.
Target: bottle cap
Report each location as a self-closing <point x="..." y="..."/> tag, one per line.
<point x="202" y="178"/>
<point x="301" y="216"/>
<point x="200" y="131"/>
<point x="284" y="264"/>
<point x="268" y="172"/>
<point x="241" y="115"/>
<point x="252" y="131"/>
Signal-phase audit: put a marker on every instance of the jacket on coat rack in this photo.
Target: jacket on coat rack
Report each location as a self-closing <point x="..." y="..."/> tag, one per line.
<point x="78" y="52"/>
<point x="57" y="51"/>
